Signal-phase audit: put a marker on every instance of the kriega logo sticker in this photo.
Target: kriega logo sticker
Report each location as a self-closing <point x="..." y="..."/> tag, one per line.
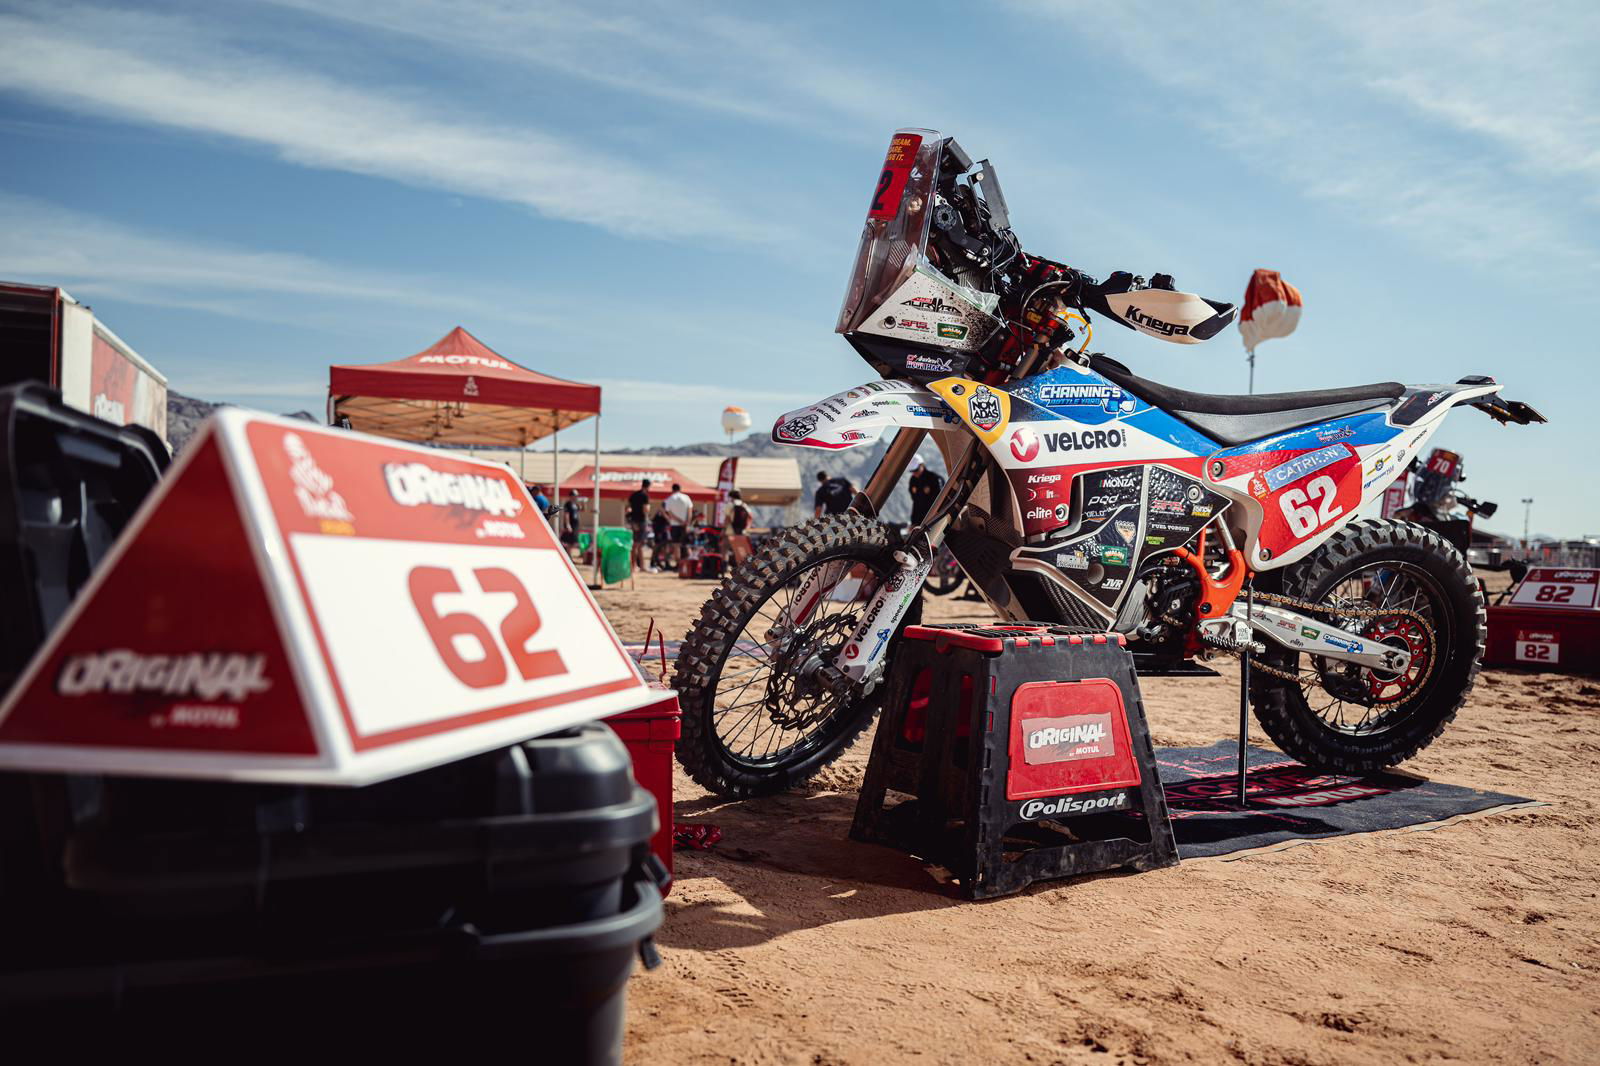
<point x="414" y="484"/>
<point x="1150" y="322"/>
<point x="1066" y="805"/>
<point x="1301" y="465"/>
<point x="1079" y="736"/>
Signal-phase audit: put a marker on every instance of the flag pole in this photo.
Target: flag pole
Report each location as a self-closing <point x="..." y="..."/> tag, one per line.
<point x="1252" y="354"/>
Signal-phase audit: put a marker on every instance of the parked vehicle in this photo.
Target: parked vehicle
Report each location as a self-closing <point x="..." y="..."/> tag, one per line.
<point x="1081" y="493"/>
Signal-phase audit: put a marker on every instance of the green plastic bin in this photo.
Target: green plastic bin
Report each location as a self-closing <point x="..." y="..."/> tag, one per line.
<point x="616" y="554"/>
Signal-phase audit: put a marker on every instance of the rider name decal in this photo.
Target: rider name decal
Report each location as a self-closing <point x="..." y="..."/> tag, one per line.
<point x="1301" y="465"/>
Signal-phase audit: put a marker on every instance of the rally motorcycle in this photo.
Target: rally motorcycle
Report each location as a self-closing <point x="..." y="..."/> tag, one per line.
<point x="1081" y="494"/>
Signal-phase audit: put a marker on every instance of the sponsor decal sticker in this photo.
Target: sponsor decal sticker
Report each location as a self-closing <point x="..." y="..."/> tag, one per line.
<point x="1085" y="440"/>
<point x="1310" y="632"/>
<point x="917" y="361"/>
<point x="1302" y="465"/>
<point x="204" y="676"/>
<point x="1071" y="805"/>
<point x="1107" y="397"/>
<point x="414" y="484"/>
<point x="1139" y="318"/>
<point x="1025" y="446"/>
<point x="797" y="428"/>
<point x="984" y="408"/>
<point x="1055" y="740"/>
<point x="1112" y="555"/>
<point x="952" y="332"/>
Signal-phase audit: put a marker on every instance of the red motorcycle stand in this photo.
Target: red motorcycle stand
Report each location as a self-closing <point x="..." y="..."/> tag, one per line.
<point x="1024" y="753"/>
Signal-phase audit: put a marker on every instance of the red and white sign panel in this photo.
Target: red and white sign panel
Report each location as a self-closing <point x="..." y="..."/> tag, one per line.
<point x="1537" y="646"/>
<point x="1567" y="588"/>
<point x="302" y="604"/>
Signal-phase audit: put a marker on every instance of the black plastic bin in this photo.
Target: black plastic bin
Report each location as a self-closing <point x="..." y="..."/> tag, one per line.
<point x="516" y="886"/>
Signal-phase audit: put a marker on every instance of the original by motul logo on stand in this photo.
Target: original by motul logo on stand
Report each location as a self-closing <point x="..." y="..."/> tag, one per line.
<point x="299" y="604"/>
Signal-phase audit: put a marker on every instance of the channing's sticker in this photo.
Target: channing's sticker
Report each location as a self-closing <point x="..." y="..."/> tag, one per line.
<point x="1079" y="736"/>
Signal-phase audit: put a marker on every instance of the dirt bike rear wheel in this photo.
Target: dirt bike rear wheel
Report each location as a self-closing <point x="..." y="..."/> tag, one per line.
<point x="1376" y="564"/>
<point x="753" y="725"/>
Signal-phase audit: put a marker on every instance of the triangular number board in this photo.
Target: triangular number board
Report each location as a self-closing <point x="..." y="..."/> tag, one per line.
<point x="302" y="604"/>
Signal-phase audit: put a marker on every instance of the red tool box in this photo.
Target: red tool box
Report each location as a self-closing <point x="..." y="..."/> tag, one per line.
<point x="651" y="733"/>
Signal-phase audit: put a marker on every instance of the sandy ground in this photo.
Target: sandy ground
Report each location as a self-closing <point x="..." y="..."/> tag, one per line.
<point x="1476" y="942"/>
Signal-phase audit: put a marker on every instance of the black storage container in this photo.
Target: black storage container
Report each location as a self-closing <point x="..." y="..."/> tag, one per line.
<point x="517" y="885"/>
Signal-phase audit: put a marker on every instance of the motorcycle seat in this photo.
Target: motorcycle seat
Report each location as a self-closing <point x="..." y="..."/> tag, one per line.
<point x="1234" y="420"/>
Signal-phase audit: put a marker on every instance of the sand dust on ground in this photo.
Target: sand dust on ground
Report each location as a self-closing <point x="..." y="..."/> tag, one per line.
<point x="1475" y="942"/>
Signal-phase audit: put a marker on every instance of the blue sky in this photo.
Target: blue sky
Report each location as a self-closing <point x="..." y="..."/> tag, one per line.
<point x="665" y="198"/>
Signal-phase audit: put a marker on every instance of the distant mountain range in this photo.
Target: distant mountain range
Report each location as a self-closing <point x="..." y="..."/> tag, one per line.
<point x="185" y="413"/>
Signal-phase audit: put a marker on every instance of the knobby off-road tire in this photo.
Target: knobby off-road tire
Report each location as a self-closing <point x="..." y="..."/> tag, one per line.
<point x="1456" y="612"/>
<point x="744" y="594"/>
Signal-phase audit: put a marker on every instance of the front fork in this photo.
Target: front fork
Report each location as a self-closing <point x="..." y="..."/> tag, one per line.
<point x="860" y="663"/>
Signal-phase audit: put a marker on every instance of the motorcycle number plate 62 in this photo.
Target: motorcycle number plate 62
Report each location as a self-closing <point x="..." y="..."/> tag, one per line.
<point x="891" y="184"/>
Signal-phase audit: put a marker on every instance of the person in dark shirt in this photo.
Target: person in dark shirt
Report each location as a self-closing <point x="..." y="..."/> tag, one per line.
<point x="658" y="526"/>
<point x="925" y="486"/>
<point x="638" y="508"/>
<point x="738" y="514"/>
<point x="570" y="522"/>
<point x="833" y="495"/>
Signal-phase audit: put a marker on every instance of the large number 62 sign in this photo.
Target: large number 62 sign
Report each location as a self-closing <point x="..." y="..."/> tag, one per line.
<point x="518" y="627"/>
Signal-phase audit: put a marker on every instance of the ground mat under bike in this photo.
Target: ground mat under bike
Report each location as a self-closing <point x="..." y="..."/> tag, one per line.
<point x="1291" y="804"/>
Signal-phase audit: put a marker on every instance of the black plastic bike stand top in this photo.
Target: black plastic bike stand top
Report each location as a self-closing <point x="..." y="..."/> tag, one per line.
<point x="1023" y="755"/>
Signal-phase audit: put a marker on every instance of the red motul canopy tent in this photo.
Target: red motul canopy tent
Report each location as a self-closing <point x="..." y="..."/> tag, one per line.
<point x="459" y="391"/>
<point x="621" y="482"/>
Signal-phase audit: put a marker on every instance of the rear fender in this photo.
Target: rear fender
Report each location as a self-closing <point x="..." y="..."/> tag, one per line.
<point x="860" y="416"/>
<point x="1295" y="489"/>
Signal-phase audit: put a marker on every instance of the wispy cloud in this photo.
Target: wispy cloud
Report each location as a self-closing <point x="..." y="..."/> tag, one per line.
<point x="172" y="73"/>
<point x="1444" y="122"/>
<point x="97" y="257"/>
<point x="679" y="54"/>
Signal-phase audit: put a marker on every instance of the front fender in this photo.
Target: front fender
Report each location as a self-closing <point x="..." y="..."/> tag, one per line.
<point x="860" y="415"/>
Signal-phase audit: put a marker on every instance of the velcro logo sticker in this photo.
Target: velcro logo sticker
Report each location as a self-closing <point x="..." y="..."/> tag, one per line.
<point x="1055" y="740"/>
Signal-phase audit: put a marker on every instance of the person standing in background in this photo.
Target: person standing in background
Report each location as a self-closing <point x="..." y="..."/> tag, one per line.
<point x="638" y="514"/>
<point x="570" y="522"/>
<point x="739" y="548"/>
<point x="925" y="486"/>
<point x="833" y="495"/>
<point x="540" y="500"/>
<point x="658" y="551"/>
<point x="679" y="510"/>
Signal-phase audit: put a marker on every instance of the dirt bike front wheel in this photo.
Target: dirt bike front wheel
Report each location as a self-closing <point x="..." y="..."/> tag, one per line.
<point x="1344" y="717"/>
<point x="756" y="721"/>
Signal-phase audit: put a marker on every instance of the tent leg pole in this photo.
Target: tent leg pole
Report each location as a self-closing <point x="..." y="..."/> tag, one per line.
<point x="594" y="537"/>
<point x="555" y="465"/>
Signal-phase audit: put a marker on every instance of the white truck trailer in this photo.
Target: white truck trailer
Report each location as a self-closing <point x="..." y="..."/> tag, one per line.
<point x="46" y="335"/>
